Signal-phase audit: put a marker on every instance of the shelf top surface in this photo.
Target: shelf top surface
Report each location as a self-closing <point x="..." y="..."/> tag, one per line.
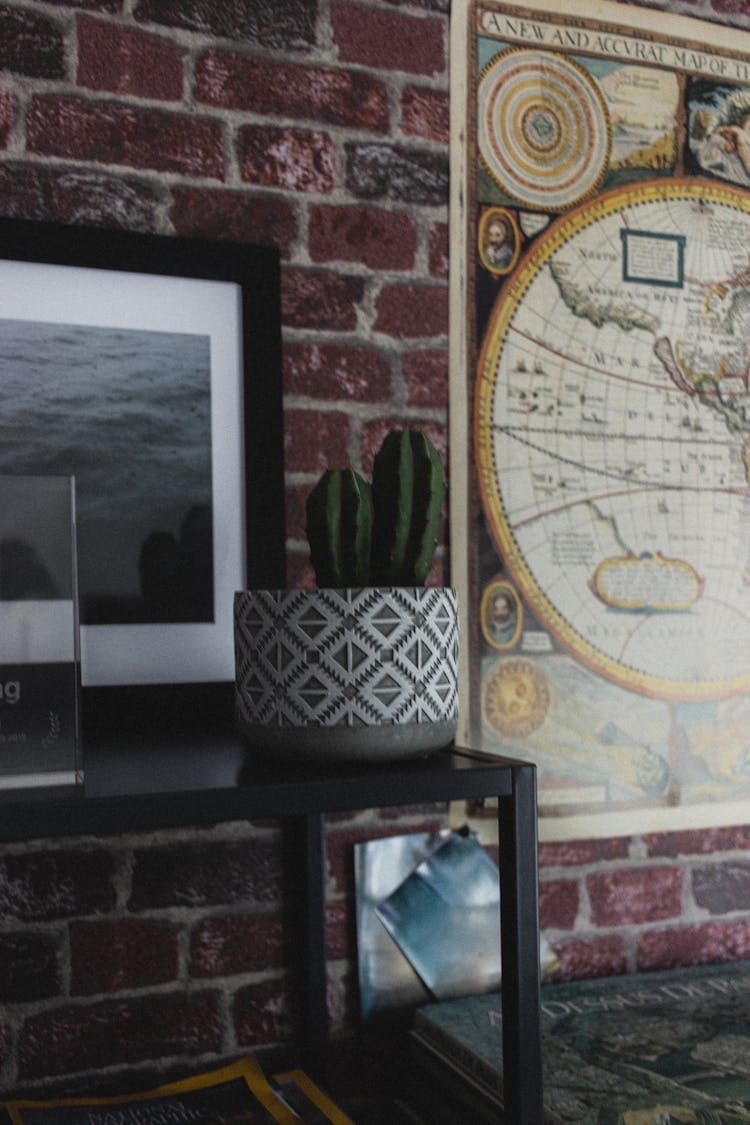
<point x="168" y="779"/>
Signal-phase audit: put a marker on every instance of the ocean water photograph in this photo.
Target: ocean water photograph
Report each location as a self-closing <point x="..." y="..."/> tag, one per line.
<point x="128" y="413"/>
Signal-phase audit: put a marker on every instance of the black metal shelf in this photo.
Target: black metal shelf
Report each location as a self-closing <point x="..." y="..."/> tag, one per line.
<point x="163" y="782"/>
<point x="143" y="781"/>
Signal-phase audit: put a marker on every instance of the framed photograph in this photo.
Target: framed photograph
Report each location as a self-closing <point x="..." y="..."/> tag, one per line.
<point x="600" y="407"/>
<point x="148" y="368"/>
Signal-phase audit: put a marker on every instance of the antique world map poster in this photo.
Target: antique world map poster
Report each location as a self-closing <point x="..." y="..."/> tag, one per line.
<point x="600" y="408"/>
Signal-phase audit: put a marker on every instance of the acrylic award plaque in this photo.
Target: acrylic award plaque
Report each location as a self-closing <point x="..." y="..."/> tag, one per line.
<point x="39" y="637"/>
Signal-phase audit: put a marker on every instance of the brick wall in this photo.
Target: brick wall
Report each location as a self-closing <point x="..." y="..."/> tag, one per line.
<point x="320" y="125"/>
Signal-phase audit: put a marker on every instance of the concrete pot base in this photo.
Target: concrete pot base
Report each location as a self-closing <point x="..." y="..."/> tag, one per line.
<point x="395" y="742"/>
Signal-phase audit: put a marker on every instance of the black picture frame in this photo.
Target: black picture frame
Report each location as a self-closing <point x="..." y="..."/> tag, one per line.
<point x="250" y="275"/>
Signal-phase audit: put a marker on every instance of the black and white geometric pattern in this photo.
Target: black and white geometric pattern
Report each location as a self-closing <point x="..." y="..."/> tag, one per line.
<point x="346" y="657"/>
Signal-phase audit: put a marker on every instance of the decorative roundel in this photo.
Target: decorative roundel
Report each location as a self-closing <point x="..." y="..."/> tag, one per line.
<point x="544" y="129"/>
<point x="516" y="698"/>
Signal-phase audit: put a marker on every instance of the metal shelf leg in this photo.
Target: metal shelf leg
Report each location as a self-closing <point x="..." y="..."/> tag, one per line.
<point x="519" y="895"/>
<point x="315" y="1012"/>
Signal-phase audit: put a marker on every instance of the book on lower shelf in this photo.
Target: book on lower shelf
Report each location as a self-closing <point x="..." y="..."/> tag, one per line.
<point x="662" y="1048"/>
<point x="237" y="1094"/>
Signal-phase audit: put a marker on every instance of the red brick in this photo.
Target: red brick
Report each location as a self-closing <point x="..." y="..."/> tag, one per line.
<point x="723" y="887"/>
<point x="111" y="6"/>
<point x="700" y="842"/>
<point x="29" y="967"/>
<point x="730" y="7"/>
<point x="107" y="956"/>
<point x="426" y="113"/>
<point x="341" y="1001"/>
<point x="559" y="900"/>
<point x="127" y="61"/>
<point x="82" y="1038"/>
<point x="293" y="159"/>
<point x="577" y="853"/>
<point x="424" y="817"/>
<point x="428" y="5"/>
<point x="382" y="240"/>
<point x="118" y="134"/>
<point x="320" y="299"/>
<point x="206" y="874"/>
<point x="296" y="518"/>
<point x="6" y="115"/>
<point x="335" y="372"/>
<point x="284" y="23"/>
<point x="583" y="959"/>
<point x="388" y="40"/>
<point x="706" y="944"/>
<point x="426" y="374"/>
<point x="412" y="311"/>
<point x="299" y="571"/>
<point x="76" y="196"/>
<point x="37" y="886"/>
<point x="375" y="170"/>
<point x="234" y="216"/>
<point x="438" y="575"/>
<point x="439" y="256"/>
<point x="635" y="895"/>
<point x="236" y="943"/>
<point x="31" y="44"/>
<point x="341" y="938"/>
<point x="266" y="1013"/>
<point x="315" y="440"/>
<point x="335" y="97"/>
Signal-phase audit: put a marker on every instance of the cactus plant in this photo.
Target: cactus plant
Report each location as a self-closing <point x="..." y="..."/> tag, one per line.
<point x="384" y="534"/>
<point x="362" y="676"/>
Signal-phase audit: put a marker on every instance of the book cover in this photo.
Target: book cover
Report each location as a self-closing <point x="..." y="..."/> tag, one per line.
<point x="237" y="1094"/>
<point x="428" y="920"/>
<point x="661" y="1048"/>
<point x="445" y="917"/>
<point x="449" y="1090"/>
<point x="386" y="978"/>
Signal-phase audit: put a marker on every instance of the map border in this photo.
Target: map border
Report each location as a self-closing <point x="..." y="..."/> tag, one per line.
<point x="667" y="40"/>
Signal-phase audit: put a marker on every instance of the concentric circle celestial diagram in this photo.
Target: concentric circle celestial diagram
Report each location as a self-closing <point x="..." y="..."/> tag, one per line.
<point x="544" y="130"/>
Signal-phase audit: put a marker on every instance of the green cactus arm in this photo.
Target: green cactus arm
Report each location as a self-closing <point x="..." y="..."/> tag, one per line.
<point x="393" y="488"/>
<point x="429" y="494"/>
<point x="408" y="494"/>
<point x="356" y="531"/>
<point x="339" y="529"/>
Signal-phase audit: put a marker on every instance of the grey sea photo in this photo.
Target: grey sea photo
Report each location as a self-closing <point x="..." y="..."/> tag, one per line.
<point x="128" y="412"/>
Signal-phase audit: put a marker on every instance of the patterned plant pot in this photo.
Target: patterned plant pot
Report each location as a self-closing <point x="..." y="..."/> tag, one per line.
<point x="368" y="674"/>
